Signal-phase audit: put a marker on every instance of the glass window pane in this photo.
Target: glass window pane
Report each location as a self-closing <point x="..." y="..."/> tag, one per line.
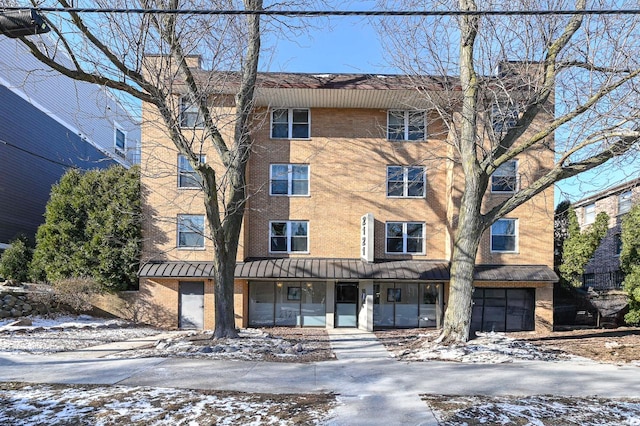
<point x="299" y="244"/>
<point x="414" y="245"/>
<point x="279" y="244"/>
<point x="414" y="230"/>
<point x="278" y="228"/>
<point x="299" y="228"/>
<point x="280" y="116"/>
<point x="382" y="309"/>
<point x="406" y="314"/>
<point x="300" y="116"/>
<point x="261" y="304"/>
<point x="287" y="306"/>
<point x="120" y="139"/>
<point x="429" y="305"/>
<point x="300" y="131"/>
<point x="300" y="172"/>
<point x="300" y="187"/>
<point x="624" y="202"/>
<point x="279" y="131"/>
<point x="394" y="229"/>
<point x="279" y="187"/>
<point x="395" y="189"/>
<point x="313" y="308"/>
<point x="394" y="245"/>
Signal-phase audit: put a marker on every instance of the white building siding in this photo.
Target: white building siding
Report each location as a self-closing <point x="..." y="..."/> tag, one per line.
<point x="86" y="109"/>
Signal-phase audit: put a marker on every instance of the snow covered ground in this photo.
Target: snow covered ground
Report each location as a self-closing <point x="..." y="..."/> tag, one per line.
<point x="54" y="404"/>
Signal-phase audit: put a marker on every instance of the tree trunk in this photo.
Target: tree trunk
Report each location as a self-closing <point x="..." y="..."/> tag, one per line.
<point x="457" y="318"/>
<point x="223" y="291"/>
<point x="470" y="226"/>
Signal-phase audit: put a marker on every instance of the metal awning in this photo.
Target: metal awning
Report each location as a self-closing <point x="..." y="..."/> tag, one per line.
<point x="346" y="269"/>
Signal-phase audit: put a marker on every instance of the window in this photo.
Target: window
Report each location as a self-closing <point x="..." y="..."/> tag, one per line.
<point x="289" y="237"/>
<point x="187" y="177"/>
<point x="590" y="213"/>
<point x="624" y="202"/>
<point x="190" y="113"/>
<point x="617" y="242"/>
<point x="120" y="143"/>
<point x="405" y="237"/>
<point x="504" y="236"/>
<point x="190" y="231"/>
<point x="290" y="123"/>
<point x="289" y="179"/>
<point x="505" y="178"/>
<point x="504" y="117"/>
<point x="404" y="181"/>
<point x="406" y="125"/>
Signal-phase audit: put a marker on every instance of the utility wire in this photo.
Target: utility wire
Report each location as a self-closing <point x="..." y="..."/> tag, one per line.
<point x="316" y="13"/>
<point x="59" y="163"/>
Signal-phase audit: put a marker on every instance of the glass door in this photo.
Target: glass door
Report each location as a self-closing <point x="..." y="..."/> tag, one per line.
<point x="346" y="305"/>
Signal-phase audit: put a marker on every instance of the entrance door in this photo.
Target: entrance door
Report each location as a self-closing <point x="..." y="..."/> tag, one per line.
<point x="191" y="304"/>
<point x="346" y="305"/>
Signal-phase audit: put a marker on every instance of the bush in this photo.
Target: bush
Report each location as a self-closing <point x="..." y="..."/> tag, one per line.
<point x="14" y="263"/>
<point x="92" y="229"/>
<point x="75" y="293"/>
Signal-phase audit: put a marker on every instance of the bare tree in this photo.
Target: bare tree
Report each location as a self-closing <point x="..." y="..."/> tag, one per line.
<point x="565" y="91"/>
<point x="112" y="49"/>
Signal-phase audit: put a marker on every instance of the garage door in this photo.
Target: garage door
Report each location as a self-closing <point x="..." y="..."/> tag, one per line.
<point x="500" y="309"/>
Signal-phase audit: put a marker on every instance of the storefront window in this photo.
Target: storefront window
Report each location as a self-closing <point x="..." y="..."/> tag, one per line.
<point x="287" y="304"/>
<point x="312" y="309"/>
<point x="261" y="304"/>
<point x="407" y="305"/>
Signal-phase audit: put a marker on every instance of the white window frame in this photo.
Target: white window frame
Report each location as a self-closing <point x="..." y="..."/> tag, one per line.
<point x="500" y="174"/>
<point x="120" y="151"/>
<point x="288" y="236"/>
<point x="406" y="182"/>
<point x="290" y="180"/>
<point x="290" y="123"/>
<point x="406" y="125"/>
<point x="191" y="109"/>
<point x="589" y="213"/>
<point x="181" y="219"/>
<point x="625" y="201"/>
<point x="516" y="236"/>
<point x="181" y="171"/>
<point x="405" y="238"/>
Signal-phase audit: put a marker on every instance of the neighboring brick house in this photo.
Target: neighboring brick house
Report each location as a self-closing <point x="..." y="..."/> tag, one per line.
<point x="350" y="217"/>
<point x="48" y="124"/>
<point x="603" y="270"/>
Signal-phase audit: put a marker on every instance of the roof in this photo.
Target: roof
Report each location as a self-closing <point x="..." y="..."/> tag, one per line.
<point x="300" y="90"/>
<point x="346" y="269"/>
<point x="612" y="190"/>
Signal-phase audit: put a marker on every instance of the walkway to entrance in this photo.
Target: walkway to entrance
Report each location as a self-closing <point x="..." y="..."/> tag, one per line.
<point x="350" y="343"/>
<point x="364" y="401"/>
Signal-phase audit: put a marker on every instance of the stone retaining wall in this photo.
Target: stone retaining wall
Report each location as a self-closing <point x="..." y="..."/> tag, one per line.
<point x="15" y="304"/>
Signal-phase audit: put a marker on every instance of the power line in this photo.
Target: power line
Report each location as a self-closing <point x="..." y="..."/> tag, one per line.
<point x="321" y="13"/>
<point x="26" y="151"/>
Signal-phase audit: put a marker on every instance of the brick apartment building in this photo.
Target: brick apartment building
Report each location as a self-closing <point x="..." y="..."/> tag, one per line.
<point x="603" y="270"/>
<point x="349" y="221"/>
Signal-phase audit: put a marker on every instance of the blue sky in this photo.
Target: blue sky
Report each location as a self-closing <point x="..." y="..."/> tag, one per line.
<point x="337" y="45"/>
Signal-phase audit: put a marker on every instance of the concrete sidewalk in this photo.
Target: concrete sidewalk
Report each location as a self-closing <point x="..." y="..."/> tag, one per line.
<point x="373" y="388"/>
<point x="112" y="348"/>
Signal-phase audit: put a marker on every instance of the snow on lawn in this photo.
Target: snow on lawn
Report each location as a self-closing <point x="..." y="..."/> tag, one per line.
<point x="540" y="410"/>
<point x="487" y="348"/>
<point x="252" y="344"/>
<point x="66" y="333"/>
<point x="52" y="405"/>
